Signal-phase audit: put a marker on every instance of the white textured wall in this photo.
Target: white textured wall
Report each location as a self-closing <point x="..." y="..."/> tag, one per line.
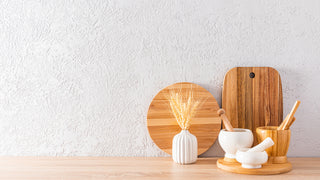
<point x="77" y="77"/>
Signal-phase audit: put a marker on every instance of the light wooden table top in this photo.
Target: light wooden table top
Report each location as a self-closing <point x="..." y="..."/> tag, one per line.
<point x="136" y="168"/>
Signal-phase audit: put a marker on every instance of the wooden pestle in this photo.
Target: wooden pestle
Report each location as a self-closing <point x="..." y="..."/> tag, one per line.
<point x="289" y="119"/>
<point x="225" y="120"/>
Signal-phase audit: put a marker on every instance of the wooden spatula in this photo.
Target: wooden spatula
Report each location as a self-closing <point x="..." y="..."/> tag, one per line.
<point x="289" y="119"/>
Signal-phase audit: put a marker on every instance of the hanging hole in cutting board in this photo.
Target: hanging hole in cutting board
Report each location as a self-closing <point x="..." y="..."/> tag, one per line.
<point x="252" y="75"/>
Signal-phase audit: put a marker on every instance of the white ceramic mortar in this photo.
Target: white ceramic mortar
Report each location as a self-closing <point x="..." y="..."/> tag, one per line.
<point x="251" y="160"/>
<point x="232" y="141"/>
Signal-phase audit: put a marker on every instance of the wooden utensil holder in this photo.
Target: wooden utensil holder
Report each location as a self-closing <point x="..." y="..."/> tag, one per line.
<point x="278" y="152"/>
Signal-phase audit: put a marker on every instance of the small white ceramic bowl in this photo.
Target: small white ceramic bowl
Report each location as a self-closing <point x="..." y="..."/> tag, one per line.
<point x="251" y="160"/>
<point x="232" y="141"/>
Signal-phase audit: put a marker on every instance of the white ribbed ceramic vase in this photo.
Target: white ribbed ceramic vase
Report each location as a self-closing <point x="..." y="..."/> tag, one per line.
<point x="184" y="148"/>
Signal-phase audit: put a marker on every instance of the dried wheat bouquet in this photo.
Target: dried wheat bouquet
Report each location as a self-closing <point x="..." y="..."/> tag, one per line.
<point x="183" y="108"/>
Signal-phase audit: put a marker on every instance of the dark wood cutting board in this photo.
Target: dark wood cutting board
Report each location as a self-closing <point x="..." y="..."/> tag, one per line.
<point x="252" y="97"/>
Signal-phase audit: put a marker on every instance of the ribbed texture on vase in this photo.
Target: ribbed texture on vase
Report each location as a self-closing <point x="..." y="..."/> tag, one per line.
<point x="184" y="148"/>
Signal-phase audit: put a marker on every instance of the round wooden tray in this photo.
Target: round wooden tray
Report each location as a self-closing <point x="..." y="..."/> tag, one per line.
<point x="266" y="169"/>
<point x="163" y="127"/>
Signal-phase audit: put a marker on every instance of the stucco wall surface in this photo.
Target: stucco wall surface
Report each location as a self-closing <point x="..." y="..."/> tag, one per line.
<point x="77" y="77"/>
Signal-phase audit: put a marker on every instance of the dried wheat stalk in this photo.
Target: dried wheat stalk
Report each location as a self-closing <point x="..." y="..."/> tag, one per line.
<point x="183" y="108"/>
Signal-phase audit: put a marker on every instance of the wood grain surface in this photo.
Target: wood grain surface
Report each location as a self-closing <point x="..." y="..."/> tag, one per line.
<point x="96" y="168"/>
<point x="281" y="138"/>
<point x="267" y="169"/>
<point x="163" y="126"/>
<point x="253" y="102"/>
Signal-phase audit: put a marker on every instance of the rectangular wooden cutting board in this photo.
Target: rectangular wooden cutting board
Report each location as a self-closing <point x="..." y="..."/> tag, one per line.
<point x="252" y="97"/>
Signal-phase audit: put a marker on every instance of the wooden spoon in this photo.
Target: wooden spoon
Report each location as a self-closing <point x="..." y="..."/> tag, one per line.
<point x="225" y="120"/>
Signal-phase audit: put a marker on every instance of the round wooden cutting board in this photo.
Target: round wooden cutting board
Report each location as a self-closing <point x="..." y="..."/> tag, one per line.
<point x="162" y="125"/>
<point x="267" y="168"/>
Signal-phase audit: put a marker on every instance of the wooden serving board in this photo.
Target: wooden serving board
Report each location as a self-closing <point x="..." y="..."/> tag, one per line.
<point x="252" y="97"/>
<point x="266" y="169"/>
<point x="163" y="126"/>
